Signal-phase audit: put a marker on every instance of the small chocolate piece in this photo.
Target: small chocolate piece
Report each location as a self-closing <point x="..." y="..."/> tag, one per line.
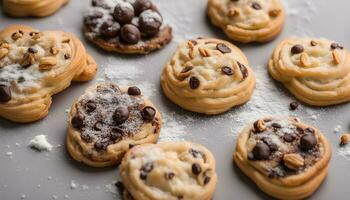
<point x="21" y="79"/>
<point x="142" y="5"/>
<point x="227" y="70"/>
<point x="273" y="147"/>
<point x="121" y="114"/>
<point x="186" y="69"/>
<point x="123" y="12"/>
<point x="90" y="106"/>
<point x="261" y="151"/>
<point x="98" y="126"/>
<point x="223" y="48"/>
<point x="100" y="3"/>
<point x="32" y="50"/>
<point x="296" y="49"/>
<point x="5" y="93"/>
<point x="101" y="145"/>
<point x="206" y="180"/>
<point x="294" y="105"/>
<point x="77" y="122"/>
<point x="300" y="131"/>
<point x="145" y="170"/>
<point x="150" y="23"/>
<point x="313" y="43"/>
<point x="256" y="6"/>
<point x="308" y="141"/>
<point x="134" y="91"/>
<point x="196" y="169"/>
<point x="336" y="46"/>
<point x="289" y="137"/>
<point x="148" y="113"/>
<point x="169" y="175"/>
<point x="197" y="154"/>
<point x="243" y="69"/>
<point x="194" y="82"/>
<point x="276" y="125"/>
<point x="67" y="56"/>
<point x="130" y="34"/>
<point x="109" y="29"/>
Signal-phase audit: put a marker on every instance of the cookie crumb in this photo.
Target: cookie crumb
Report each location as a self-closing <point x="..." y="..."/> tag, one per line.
<point x="40" y="143"/>
<point x="344" y="139"/>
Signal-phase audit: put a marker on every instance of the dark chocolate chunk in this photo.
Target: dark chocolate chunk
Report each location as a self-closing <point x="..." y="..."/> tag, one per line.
<point x="32" y="50"/>
<point x="197" y="154"/>
<point x="130" y="34"/>
<point x="308" y="141"/>
<point x="150" y="23"/>
<point x="142" y="5"/>
<point x="5" y="93"/>
<point x="186" y="69"/>
<point x="227" y="70"/>
<point x="145" y="170"/>
<point x="336" y="46"/>
<point x="294" y="105"/>
<point x="273" y="146"/>
<point x="100" y="3"/>
<point x="310" y="130"/>
<point x="67" y="56"/>
<point x="21" y="79"/>
<point x="276" y="125"/>
<point x="223" y="48"/>
<point x="134" y="91"/>
<point x="313" y="43"/>
<point x="256" y="6"/>
<point x="117" y="134"/>
<point x="121" y="114"/>
<point x="101" y="145"/>
<point x="288" y="137"/>
<point x="109" y="29"/>
<point x="300" y="131"/>
<point x="77" y="121"/>
<point x="261" y="151"/>
<point x="196" y="169"/>
<point x="98" y="126"/>
<point x="169" y="175"/>
<point x="123" y="13"/>
<point x="148" y="113"/>
<point x="90" y="106"/>
<point x="194" y="82"/>
<point x="296" y="49"/>
<point x="243" y="69"/>
<point x="206" y="180"/>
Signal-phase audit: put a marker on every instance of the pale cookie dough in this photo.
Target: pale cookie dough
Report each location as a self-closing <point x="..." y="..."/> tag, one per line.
<point x="126" y="26"/>
<point x="286" y="158"/>
<point x="107" y="121"/>
<point x="32" y="8"/>
<point x="168" y="171"/>
<point x="34" y="66"/>
<point x="208" y="76"/>
<point x="316" y="71"/>
<point x="246" y="20"/>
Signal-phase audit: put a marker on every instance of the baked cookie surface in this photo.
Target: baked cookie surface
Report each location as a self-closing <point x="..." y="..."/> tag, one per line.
<point x="316" y="71"/>
<point x="248" y="21"/>
<point x="107" y="121"/>
<point x="126" y="26"/>
<point x="208" y="76"/>
<point x="32" y="8"/>
<point x="34" y="66"/>
<point x="170" y="170"/>
<point x="286" y="158"/>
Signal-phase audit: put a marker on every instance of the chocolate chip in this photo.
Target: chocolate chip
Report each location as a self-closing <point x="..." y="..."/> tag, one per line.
<point x="117" y="133"/>
<point x="145" y="170"/>
<point x="67" y="56"/>
<point x="336" y="46"/>
<point x="5" y="93"/>
<point x="186" y="69"/>
<point x="197" y="154"/>
<point x="21" y="79"/>
<point x="121" y="114"/>
<point x="148" y="113"/>
<point x="300" y="131"/>
<point x="273" y="146"/>
<point x="150" y="23"/>
<point x="288" y="137"/>
<point x="308" y="141"/>
<point x="243" y="69"/>
<point x="223" y="48"/>
<point x="101" y="145"/>
<point x="194" y="82"/>
<point x="134" y="91"/>
<point x="296" y="49"/>
<point x="313" y="43"/>
<point x="120" y="186"/>
<point x="90" y="106"/>
<point x="227" y="70"/>
<point x="169" y="175"/>
<point x="77" y="122"/>
<point x="196" y="169"/>
<point x="98" y="126"/>
<point x="206" y="180"/>
<point x="141" y="5"/>
<point x="109" y="29"/>
<point x="32" y="50"/>
<point x="123" y="13"/>
<point x="100" y="3"/>
<point x="130" y="34"/>
<point x="276" y="125"/>
<point x="294" y="105"/>
<point x="256" y="6"/>
<point x="310" y="130"/>
<point x="261" y="151"/>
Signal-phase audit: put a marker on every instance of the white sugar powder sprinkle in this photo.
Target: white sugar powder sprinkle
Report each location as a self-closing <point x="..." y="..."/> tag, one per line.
<point x="40" y="143"/>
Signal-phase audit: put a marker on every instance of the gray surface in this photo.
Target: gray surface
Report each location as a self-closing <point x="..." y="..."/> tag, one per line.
<point x="28" y="168"/>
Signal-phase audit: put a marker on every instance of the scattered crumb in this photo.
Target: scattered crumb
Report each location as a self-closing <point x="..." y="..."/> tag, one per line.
<point x="111" y="188"/>
<point x="73" y="185"/>
<point x="84" y="187"/>
<point x="40" y="143"/>
<point x="54" y="197"/>
<point x="313" y="117"/>
<point x="337" y="129"/>
<point x="17" y="144"/>
<point x="23" y="196"/>
<point x="49" y="178"/>
<point x="66" y="196"/>
<point x="9" y="153"/>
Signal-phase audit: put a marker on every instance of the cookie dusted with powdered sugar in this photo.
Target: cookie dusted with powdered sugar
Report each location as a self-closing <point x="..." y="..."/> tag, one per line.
<point x="126" y="26"/>
<point x="32" y="8"/>
<point x="246" y="20"/>
<point x="35" y="65"/>
<point x="316" y="71"/>
<point x="107" y="121"/>
<point x="171" y="170"/>
<point x="286" y="158"/>
<point x="208" y="76"/>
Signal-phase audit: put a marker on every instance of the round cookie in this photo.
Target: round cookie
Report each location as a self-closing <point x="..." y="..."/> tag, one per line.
<point x="32" y="8"/>
<point x="107" y="121"/>
<point x="248" y="21"/>
<point x="316" y="71"/>
<point x="286" y="158"/>
<point x="208" y="76"/>
<point x="126" y="26"/>
<point x="170" y="170"/>
<point x="34" y="66"/>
